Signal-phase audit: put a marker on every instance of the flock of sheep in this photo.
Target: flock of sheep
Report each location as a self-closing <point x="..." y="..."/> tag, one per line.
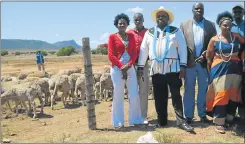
<point x="70" y="83"/>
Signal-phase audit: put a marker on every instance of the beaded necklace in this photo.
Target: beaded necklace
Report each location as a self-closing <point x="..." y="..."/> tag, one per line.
<point x="164" y="53"/>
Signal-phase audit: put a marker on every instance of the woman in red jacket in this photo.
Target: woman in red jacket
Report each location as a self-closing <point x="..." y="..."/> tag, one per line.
<point x="122" y="54"/>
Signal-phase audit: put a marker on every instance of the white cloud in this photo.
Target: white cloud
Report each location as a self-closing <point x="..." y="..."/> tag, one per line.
<point x="135" y="10"/>
<point x="104" y="36"/>
<point x="174" y="8"/>
<point x="103" y="39"/>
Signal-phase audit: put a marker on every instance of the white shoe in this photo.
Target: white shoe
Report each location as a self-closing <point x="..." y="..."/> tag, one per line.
<point x="145" y="122"/>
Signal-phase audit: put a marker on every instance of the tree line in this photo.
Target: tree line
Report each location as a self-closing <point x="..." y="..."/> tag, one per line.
<point x="64" y="51"/>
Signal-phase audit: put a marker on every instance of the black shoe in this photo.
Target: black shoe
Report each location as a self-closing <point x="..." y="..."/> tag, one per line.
<point x="186" y="127"/>
<point x="188" y="120"/>
<point x="159" y="125"/>
<point x="205" y="120"/>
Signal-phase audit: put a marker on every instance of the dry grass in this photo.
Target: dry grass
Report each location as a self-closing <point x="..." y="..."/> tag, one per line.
<point x="70" y="125"/>
<point x="14" y="65"/>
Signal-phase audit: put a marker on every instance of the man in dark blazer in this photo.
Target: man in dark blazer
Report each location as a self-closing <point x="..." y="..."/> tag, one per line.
<point x="197" y="32"/>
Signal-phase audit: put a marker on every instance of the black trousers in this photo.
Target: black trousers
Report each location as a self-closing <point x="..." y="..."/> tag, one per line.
<point x="160" y="87"/>
<point x="242" y="105"/>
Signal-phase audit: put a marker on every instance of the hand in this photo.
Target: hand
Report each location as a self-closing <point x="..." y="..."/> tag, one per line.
<point x="236" y="35"/>
<point x="124" y="75"/>
<point x="201" y="58"/>
<point x="182" y="73"/>
<point x="125" y="68"/>
<point x="140" y="73"/>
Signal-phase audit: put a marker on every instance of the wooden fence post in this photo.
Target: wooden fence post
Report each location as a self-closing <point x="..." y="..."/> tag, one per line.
<point x="1" y="136"/>
<point x="90" y="97"/>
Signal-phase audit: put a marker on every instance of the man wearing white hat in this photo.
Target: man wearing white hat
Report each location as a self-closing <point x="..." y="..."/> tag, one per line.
<point x="166" y="47"/>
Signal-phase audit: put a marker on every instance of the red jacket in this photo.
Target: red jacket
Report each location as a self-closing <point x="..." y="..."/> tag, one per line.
<point x="116" y="49"/>
<point x="138" y="38"/>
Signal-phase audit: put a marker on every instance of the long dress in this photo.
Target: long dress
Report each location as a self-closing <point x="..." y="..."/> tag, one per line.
<point x="224" y="90"/>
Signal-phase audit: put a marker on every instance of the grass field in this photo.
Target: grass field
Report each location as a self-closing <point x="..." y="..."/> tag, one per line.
<point x="71" y="125"/>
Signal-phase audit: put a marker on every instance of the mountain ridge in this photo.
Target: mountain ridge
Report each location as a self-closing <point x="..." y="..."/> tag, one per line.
<point x="20" y="44"/>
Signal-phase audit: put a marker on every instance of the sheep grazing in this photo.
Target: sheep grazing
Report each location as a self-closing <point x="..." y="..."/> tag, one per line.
<point x="106" y="85"/>
<point x="44" y="85"/>
<point x="6" y="79"/>
<point x="96" y="77"/>
<point x="25" y="94"/>
<point x="69" y="71"/>
<point x="72" y="81"/>
<point x="4" y="100"/>
<point x="22" y="76"/>
<point x="97" y="90"/>
<point x="62" y="85"/>
<point x="32" y="92"/>
<point x="51" y="83"/>
<point x="80" y="86"/>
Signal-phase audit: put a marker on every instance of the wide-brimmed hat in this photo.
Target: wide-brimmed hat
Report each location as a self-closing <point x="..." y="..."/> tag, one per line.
<point x="170" y="14"/>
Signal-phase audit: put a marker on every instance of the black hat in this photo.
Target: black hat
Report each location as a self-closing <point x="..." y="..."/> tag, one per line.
<point x="238" y="6"/>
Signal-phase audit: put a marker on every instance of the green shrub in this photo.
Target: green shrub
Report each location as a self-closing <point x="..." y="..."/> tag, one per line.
<point x="52" y="52"/>
<point x="4" y="52"/>
<point x="66" y="51"/>
<point x="101" y="50"/>
<point x="17" y="53"/>
<point x="44" y="53"/>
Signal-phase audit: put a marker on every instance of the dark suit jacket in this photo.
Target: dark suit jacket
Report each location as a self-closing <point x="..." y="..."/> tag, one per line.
<point x="187" y="29"/>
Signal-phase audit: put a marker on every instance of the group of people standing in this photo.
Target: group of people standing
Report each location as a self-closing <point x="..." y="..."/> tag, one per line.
<point x="193" y="52"/>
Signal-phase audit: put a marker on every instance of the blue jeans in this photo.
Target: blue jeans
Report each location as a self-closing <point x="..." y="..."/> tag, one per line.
<point x="191" y="74"/>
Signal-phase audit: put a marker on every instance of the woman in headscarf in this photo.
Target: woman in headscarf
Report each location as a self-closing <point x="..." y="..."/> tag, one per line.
<point x="224" y="91"/>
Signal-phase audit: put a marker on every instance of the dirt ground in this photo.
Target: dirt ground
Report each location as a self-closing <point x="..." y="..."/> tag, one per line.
<point x="71" y="125"/>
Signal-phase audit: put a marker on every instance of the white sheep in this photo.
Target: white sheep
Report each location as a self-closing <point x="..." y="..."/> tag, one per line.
<point x="106" y="85"/>
<point x="51" y="83"/>
<point x="22" y="76"/>
<point x="6" y="79"/>
<point x="25" y="94"/>
<point x="96" y="77"/>
<point x="69" y="71"/>
<point x="80" y="86"/>
<point x="62" y="85"/>
<point x="97" y="90"/>
<point x="43" y="83"/>
<point x="72" y="81"/>
<point x="3" y="101"/>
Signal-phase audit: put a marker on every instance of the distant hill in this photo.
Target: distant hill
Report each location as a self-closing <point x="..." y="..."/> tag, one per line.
<point x="67" y="43"/>
<point x="18" y="44"/>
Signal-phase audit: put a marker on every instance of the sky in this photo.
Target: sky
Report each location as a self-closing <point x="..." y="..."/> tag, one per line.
<point x="58" y="21"/>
